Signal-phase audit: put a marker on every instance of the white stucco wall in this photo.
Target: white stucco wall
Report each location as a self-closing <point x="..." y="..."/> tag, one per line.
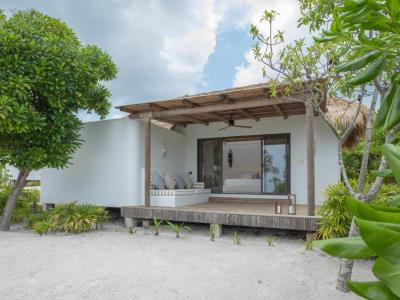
<point x="107" y="169"/>
<point x="326" y="160"/>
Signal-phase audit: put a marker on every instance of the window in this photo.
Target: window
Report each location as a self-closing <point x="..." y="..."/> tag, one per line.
<point x="245" y="165"/>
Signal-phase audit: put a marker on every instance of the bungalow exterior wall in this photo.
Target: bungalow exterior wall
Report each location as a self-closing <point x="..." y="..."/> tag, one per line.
<point x="108" y="169"/>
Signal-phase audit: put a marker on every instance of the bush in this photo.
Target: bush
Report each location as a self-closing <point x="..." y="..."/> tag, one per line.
<point x="336" y="218"/>
<point x="69" y="217"/>
<point x="27" y="203"/>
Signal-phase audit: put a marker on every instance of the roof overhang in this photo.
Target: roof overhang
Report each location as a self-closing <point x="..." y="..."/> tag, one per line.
<point x="249" y="102"/>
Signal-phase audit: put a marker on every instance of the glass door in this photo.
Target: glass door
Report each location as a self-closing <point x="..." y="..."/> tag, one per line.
<point x="209" y="164"/>
<point x="276" y="164"/>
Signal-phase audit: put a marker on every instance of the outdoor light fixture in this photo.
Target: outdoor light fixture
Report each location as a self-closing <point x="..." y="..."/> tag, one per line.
<point x="292" y="204"/>
<point x="278" y="208"/>
<point x="163" y="150"/>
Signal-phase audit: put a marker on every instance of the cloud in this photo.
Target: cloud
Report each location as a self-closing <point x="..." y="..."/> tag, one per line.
<point x="160" y="47"/>
<point x="250" y="71"/>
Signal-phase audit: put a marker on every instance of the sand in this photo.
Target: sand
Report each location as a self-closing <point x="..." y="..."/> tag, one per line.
<point x="113" y="264"/>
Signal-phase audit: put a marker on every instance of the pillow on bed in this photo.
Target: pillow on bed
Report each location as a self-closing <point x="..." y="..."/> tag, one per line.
<point x="170" y="182"/>
<point x="188" y="180"/>
<point x="180" y="183"/>
<point x="157" y="181"/>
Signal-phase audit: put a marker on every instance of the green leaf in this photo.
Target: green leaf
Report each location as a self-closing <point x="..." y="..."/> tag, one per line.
<point x="392" y="155"/>
<point x="385" y="208"/>
<point x="393" y="115"/>
<point x="350" y="247"/>
<point x="365" y="211"/>
<point x="383" y="173"/>
<point x="388" y="273"/>
<point x="375" y="290"/>
<point x="393" y="6"/>
<point x="358" y="63"/>
<point x="385" y="106"/>
<point x="325" y="39"/>
<point x="394" y="201"/>
<point x="383" y="241"/>
<point x="370" y="73"/>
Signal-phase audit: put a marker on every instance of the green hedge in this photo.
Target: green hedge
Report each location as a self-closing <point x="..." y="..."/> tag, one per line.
<point x="27" y="203"/>
<point x="69" y="218"/>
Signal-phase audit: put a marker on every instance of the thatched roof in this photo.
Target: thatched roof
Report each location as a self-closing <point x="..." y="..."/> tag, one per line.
<point x="340" y="115"/>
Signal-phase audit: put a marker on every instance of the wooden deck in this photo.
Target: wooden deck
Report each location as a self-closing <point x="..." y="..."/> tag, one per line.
<point x="237" y="214"/>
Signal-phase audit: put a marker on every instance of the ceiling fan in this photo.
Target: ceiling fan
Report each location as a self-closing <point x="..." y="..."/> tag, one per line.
<point x="231" y="123"/>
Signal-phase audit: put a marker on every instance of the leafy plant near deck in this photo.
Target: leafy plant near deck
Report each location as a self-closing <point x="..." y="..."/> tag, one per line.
<point x="236" y="238"/>
<point x="270" y="241"/>
<point x="156" y="226"/>
<point x="336" y="217"/>
<point x="177" y="228"/>
<point x="70" y="218"/>
<point x="27" y="203"/>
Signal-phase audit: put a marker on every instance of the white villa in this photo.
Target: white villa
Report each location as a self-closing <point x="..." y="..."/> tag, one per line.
<point x="269" y="150"/>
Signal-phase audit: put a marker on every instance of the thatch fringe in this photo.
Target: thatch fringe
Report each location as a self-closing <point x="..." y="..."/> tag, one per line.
<point x="340" y="114"/>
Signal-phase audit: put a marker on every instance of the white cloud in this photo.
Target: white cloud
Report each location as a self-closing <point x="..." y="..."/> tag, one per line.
<point x="250" y="71"/>
<point x="160" y="47"/>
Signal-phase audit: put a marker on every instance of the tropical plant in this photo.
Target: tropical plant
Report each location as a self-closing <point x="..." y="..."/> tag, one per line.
<point x="373" y="61"/>
<point x="270" y="240"/>
<point x="336" y="217"/>
<point x="177" y="228"/>
<point x="131" y="230"/>
<point x="41" y="227"/>
<point x="46" y="78"/>
<point x="308" y="243"/>
<point x="236" y="238"/>
<point x="212" y="232"/>
<point x="27" y="203"/>
<point x="379" y="237"/>
<point x="156" y="226"/>
<point x="71" y="218"/>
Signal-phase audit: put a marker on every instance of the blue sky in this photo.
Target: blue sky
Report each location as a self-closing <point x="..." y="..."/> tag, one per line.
<point x="165" y="49"/>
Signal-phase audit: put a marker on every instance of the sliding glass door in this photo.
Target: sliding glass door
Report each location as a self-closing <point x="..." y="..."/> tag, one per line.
<point x="245" y="165"/>
<point x="276" y="164"/>
<point x="209" y="164"/>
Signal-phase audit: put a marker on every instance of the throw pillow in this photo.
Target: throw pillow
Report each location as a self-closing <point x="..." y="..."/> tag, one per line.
<point x="170" y="182"/>
<point x="157" y="181"/>
<point x="188" y="180"/>
<point x="180" y="183"/>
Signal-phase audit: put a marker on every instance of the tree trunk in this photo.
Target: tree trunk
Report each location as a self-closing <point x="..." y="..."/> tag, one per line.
<point x="346" y="265"/>
<point x="5" y="222"/>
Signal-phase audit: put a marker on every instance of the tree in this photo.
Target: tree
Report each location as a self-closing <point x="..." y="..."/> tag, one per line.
<point x="376" y="24"/>
<point x="46" y="77"/>
<point x="303" y="66"/>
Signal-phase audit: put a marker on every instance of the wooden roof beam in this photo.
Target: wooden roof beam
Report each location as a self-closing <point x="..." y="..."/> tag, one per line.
<point x="280" y="111"/>
<point x="188" y="103"/>
<point x="195" y="120"/>
<point x="244" y="111"/>
<point x="255" y="102"/>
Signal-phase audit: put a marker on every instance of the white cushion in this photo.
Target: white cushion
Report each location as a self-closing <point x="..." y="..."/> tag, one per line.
<point x="170" y="182"/>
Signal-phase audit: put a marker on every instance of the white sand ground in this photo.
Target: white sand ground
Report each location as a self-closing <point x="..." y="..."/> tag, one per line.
<point x="112" y="264"/>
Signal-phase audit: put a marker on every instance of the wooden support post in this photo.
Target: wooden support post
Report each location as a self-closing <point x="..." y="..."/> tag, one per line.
<point x="146" y="224"/>
<point x="217" y="230"/>
<point x="130" y="222"/>
<point x="147" y="153"/>
<point x="310" y="159"/>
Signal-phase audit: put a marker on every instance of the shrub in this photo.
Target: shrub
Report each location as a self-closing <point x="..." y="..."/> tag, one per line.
<point x="69" y="217"/>
<point x="336" y="218"/>
<point x="27" y="203"/>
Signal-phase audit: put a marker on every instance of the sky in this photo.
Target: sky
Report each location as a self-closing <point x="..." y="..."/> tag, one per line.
<point x="169" y="48"/>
